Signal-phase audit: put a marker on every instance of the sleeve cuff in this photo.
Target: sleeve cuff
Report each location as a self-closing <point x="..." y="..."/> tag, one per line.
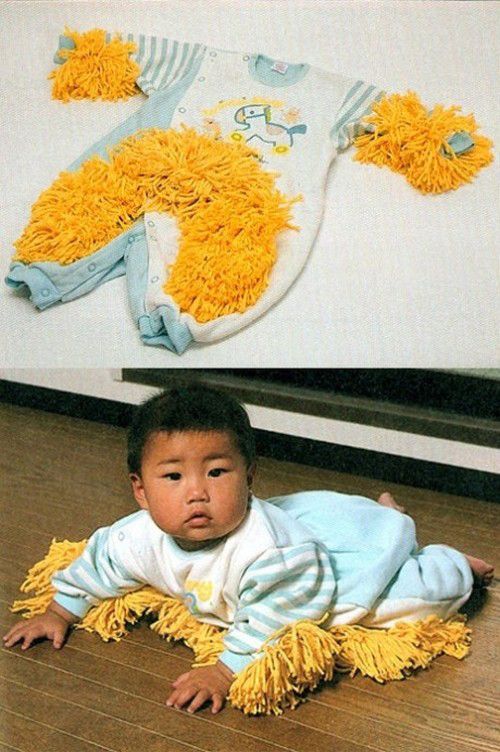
<point x="65" y="43"/>
<point x="236" y="662"/>
<point x="78" y="606"/>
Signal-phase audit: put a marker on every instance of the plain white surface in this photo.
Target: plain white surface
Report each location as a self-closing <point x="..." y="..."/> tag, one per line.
<point x="395" y="278"/>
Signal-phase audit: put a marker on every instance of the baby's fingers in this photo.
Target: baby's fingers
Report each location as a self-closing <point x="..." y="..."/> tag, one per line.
<point x="14" y="634"/>
<point x="57" y="637"/>
<point x="217" y="703"/>
<point x="200" y="698"/>
<point x="180" y="679"/>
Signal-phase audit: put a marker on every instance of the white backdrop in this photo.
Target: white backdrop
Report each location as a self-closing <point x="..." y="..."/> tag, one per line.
<point x="416" y="283"/>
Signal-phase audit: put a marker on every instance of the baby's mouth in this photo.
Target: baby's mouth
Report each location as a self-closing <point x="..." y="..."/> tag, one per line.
<point x="198" y="519"/>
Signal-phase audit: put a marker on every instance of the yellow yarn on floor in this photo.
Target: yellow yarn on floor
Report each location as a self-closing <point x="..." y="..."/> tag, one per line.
<point x="228" y="209"/>
<point x="412" y="141"/>
<point x="95" y="69"/>
<point x="293" y="660"/>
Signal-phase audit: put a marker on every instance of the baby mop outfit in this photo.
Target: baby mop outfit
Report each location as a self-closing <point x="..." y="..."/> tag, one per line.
<point x="293" y="557"/>
<point x="295" y="116"/>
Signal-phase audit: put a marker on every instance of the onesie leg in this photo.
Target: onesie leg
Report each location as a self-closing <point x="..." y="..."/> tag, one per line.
<point x="436" y="580"/>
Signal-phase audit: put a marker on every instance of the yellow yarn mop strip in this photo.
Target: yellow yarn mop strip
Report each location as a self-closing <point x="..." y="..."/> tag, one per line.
<point x="228" y="210"/>
<point x="110" y="618"/>
<point x="95" y="69"/>
<point x="414" y="142"/>
<point x="59" y="556"/>
<point x="175" y="622"/>
<point x="301" y="657"/>
<point x="391" y="654"/>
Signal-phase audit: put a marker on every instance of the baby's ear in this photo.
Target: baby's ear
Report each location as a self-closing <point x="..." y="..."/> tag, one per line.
<point x="251" y="474"/>
<point x="138" y="490"/>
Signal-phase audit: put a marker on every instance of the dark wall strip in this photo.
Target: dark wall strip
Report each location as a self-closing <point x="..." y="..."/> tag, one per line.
<point x="370" y="464"/>
<point x="255" y="388"/>
<point x="451" y="391"/>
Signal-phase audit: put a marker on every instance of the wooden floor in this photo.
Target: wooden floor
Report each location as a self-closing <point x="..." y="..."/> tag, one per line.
<point x="62" y="477"/>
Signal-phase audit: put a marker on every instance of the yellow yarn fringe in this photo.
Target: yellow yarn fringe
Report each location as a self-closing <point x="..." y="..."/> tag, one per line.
<point x="227" y="207"/>
<point x="293" y="660"/>
<point x="410" y="140"/>
<point x="95" y="69"/>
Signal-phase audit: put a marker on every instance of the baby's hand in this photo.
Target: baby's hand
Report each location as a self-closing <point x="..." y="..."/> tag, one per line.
<point x="50" y="624"/>
<point x="202" y="684"/>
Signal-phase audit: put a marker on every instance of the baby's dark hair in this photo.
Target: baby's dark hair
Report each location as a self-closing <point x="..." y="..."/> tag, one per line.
<point x="192" y="407"/>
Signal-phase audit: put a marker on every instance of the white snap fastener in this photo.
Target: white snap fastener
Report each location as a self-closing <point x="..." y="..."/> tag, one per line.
<point x="154" y="279"/>
<point x="45" y="292"/>
<point x="151" y="224"/>
<point x="201" y="78"/>
<point x="91" y="267"/>
<point x="131" y="240"/>
<point x="246" y="57"/>
<point x="121" y="536"/>
<point x="213" y="54"/>
<point x="182" y="109"/>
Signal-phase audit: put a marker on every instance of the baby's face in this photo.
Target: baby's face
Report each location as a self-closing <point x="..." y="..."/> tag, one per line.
<point x="194" y="484"/>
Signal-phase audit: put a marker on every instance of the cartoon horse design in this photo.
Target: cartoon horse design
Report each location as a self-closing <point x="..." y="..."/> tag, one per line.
<point x="256" y="120"/>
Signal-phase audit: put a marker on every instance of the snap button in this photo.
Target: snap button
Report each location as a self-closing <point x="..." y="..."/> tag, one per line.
<point x="182" y="109"/>
<point x="121" y="536"/>
<point x="45" y="292"/>
<point x="213" y="54"/>
<point x="201" y="78"/>
<point x="91" y="267"/>
<point x="151" y="223"/>
<point x="131" y="239"/>
<point x="154" y="279"/>
<point x="246" y="57"/>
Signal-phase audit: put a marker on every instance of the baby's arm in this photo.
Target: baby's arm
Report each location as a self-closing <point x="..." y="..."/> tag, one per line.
<point x="94" y="575"/>
<point x="53" y="625"/>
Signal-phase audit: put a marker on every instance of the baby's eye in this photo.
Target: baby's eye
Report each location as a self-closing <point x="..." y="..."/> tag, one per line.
<point x="173" y="476"/>
<point x="215" y="472"/>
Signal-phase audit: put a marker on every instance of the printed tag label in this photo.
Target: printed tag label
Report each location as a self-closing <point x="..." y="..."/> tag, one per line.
<point x="279" y="67"/>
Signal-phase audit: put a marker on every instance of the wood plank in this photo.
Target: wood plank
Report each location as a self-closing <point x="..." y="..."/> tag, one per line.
<point x="27" y="735"/>
<point x="90" y="681"/>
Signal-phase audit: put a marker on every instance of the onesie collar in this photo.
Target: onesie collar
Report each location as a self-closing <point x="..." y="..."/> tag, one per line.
<point x="273" y="72"/>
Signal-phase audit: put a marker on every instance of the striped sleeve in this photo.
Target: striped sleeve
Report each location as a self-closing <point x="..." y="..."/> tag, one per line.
<point x="282" y="586"/>
<point x="164" y="62"/>
<point x="94" y="575"/>
<point x="358" y="102"/>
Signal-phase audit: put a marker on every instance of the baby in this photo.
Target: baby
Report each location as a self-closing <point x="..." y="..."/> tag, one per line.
<point x="247" y="565"/>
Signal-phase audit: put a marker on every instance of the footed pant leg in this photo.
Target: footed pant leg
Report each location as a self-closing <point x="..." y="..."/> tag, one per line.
<point x="435" y="580"/>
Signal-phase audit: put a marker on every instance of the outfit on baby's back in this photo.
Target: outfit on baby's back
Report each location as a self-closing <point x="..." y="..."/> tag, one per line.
<point x="212" y="196"/>
<point x="294" y="557"/>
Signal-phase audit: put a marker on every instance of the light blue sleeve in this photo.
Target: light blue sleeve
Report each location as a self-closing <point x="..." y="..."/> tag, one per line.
<point x="280" y="587"/>
<point x="358" y="101"/>
<point x="98" y="573"/>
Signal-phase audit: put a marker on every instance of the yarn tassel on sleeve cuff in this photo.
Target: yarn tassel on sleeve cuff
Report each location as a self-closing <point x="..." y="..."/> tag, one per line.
<point x="94" y="66"/>
<point x="436" y="150"/>
<point x="294" y="660"/>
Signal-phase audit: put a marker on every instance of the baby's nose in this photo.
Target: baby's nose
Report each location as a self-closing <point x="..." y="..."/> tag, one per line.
<point x="197" y="492"/>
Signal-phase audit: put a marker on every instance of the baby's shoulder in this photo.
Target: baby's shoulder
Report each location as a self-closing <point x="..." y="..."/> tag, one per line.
<point x="277" y="527"/>
<point x="135" y="526"/>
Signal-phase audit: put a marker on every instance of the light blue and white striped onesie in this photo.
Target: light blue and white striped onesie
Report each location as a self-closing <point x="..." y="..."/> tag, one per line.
<point x="293" y="557"/>
<point x="296" y="115"/>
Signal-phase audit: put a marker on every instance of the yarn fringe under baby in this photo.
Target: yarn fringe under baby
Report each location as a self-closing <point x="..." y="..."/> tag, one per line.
<point x="227" y="207"/>
<point x="413" y="141"/>
<point x="295" y="659"/>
